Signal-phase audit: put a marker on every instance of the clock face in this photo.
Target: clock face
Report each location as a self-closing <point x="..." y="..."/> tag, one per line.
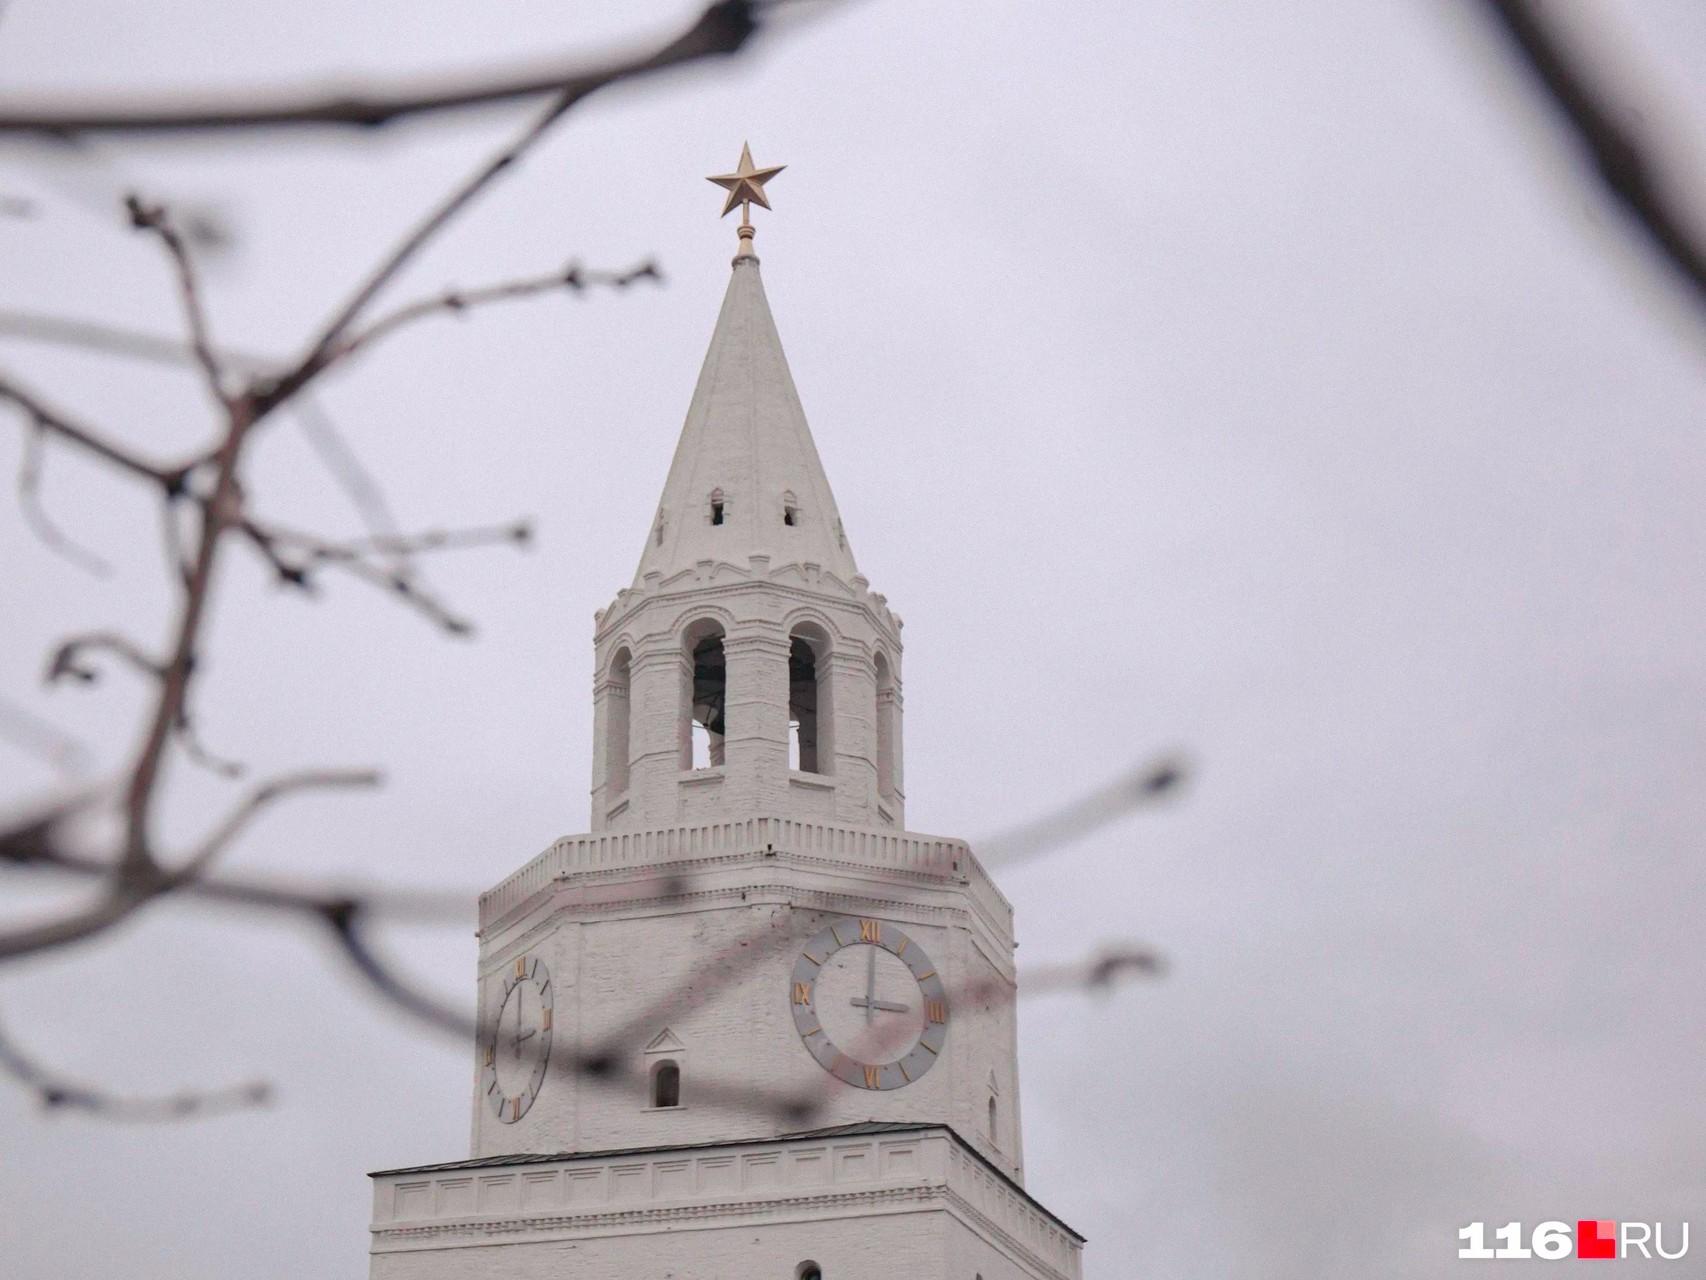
<point x="869" y="1004"/>
<point x="518" y="1044"/>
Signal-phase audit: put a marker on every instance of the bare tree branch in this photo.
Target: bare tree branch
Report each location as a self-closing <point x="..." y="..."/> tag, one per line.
<point x="115" y="340"/>
<point x="30" y="733"/>
<point x="344" y="467"/>
<point x="153" y="218"/>
<point x="56" y="1093"/>
<point x="721" y="29"/>
<point x="218" y="840"/>
<point x="67" y="660"/>
<point x="323" y="551"/>
<point x="189" y="738"/>
<point x="323" y="350"/>
<point x="55" y="422"/>
<point x="572" y="278"/>
<point x="1629" y="174"/>
<point x="1098" y="972"/>
<point x="296" y="556"/>
<point x="29" y="500"/>
<point x="1153" y="782"/>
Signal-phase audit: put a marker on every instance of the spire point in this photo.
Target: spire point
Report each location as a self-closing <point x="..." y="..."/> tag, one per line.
<point x="746" y="188"/>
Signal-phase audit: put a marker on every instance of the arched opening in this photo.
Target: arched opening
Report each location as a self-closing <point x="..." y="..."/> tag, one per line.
<point x="719" y="507"/>
<point x="616" y="721"/>
<point x="808" y="1271"/>
<point x="790" y="509"/>
<point x="810" y="742"/>
<point x="706" y="687"/>
<point x="992" y="1141"/>
<point x="666" y="1084"/>
<point x="885" y="730"/>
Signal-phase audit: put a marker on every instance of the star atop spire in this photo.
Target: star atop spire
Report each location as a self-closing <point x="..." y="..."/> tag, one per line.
<point x="746" y="188"/>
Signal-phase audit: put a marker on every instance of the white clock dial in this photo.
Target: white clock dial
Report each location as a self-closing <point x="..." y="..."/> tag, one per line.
<point x="518" y="1041"/>
<point x="869" y="1004"/>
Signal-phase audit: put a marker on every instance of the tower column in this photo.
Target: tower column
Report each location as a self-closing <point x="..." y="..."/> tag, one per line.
<point x="609" y="704"/>
<point x="658" y="693"/>
<point x="890" y="704"/>
<point x="755" y="752"/>
<point x="853" y="680"/>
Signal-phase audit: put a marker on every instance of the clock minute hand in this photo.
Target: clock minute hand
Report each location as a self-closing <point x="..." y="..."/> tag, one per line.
<point x="869" y="1003"/>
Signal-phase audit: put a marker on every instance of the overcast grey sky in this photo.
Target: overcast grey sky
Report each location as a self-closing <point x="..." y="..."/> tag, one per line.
<point x="1254" y="379"/>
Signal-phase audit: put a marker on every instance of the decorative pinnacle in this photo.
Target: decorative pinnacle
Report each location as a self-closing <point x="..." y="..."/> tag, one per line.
<point x="746" y="188"/>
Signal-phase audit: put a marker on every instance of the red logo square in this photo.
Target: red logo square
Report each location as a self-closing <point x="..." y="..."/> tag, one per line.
<point x="1596" y="1239"/>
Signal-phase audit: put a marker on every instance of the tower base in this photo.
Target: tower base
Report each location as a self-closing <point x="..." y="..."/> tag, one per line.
<point x="856" y="1200"/>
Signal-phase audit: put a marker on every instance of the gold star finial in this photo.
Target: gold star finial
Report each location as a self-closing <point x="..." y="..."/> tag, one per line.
<point x="746" y="188"/>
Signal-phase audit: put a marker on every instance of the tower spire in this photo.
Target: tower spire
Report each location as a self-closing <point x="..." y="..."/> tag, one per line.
<point x="746" y="479"/>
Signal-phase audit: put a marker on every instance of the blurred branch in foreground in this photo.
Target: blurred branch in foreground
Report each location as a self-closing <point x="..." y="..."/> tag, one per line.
<point x="107" y="834"/>
<point x="722" y="28"/>
<point x="1630" y="173"/>
<point x="56" y="1093"/>
<point x="1150" y="784"/>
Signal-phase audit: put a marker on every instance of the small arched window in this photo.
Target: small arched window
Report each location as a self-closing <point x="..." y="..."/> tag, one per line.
<point x="790" y="509"/>
<point x="992" y="1141"/>
<point x="666" y="1084"/>
<point x="719" y="507"/>
<point x="811" y="1271"/>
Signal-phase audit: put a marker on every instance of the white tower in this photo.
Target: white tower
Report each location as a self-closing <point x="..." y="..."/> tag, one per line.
<point x="749" y="1026"/>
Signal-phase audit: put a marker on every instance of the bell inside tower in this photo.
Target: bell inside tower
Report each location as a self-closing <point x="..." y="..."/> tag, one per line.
<point x="709" y="690"/>
<point x="809" y="726"/>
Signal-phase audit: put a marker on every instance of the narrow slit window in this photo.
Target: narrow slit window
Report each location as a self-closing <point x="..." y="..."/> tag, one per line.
<point x="718" y="506"/>
<point x="885" y="713"/>
<point x="616" y="725"/>
<point x="790" y="515"/>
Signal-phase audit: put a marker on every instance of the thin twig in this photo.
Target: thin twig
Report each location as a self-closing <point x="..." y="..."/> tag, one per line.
<point x="61" y="424"/>
<point x="67" y="660"/>
<point x="344" y="467"/>
<point x="55" y="1093"/>
<point x="153" y="218"/>
<point x="218" y="840"/>
<point x="573" y="279"/>
<point x="1147" y="785"/>
<point x="295" y="557"/>
<point x="29" y="500"/>
<point x="29" y="732"/>
<point x="115" y="340"/>
<point x="189" y="738"/>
